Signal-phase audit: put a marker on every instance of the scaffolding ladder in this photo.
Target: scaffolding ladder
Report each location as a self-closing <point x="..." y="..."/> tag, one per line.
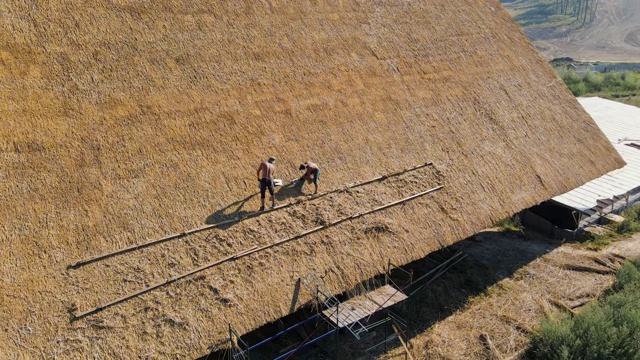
<point x="343" y="314"/>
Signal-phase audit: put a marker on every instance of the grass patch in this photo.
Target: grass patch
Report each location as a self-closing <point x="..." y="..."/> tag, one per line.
<point x="607" y="329"/>
<point x="512" y="223"/>
<point x="630" y="225"/>
<point x="600" y="242"/>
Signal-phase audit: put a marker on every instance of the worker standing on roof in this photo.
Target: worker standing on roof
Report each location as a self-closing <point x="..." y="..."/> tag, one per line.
<point x="312" y="170"/>
<point x="265" y="177"/>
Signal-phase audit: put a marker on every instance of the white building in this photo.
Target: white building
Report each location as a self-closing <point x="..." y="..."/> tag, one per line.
<point x="609" y="193"/>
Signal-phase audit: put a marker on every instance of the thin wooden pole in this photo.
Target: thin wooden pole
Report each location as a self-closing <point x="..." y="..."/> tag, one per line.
<point x="170" y="237"/>
<point x="84" y="262"/>
<point x="340" y="221"/>
<point x="248" y="252"/>
<point x="337" y="331"/>
<point x="230" y="343"/>
<point x="399" y="333"/>
<point x="152" y="287"/>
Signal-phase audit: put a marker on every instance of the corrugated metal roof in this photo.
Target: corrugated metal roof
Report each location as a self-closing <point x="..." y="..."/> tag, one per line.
<point x="621" y="124"/>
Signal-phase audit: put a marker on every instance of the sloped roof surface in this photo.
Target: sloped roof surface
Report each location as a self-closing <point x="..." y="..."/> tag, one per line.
<point x="124" y="121"/>
<point x="621" y="124"/>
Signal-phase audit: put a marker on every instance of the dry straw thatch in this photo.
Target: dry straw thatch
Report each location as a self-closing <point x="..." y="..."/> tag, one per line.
<point x="124" y="121"/>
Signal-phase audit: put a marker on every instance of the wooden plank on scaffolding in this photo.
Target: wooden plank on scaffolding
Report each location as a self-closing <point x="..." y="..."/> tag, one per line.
<point x="365" y="305"/>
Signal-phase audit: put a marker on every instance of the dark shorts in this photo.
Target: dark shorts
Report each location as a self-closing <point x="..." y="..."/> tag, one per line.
<point x="316" y="176"/>
<point x="266" y="183"/>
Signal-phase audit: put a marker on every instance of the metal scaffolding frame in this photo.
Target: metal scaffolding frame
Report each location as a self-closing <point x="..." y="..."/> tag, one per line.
<point x="335" y="314"/>
<point x="340" y="315"/>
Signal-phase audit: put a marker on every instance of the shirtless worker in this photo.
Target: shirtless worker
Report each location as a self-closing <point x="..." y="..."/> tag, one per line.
<point x="312" y="169"/>
<point x="265" y="177"/>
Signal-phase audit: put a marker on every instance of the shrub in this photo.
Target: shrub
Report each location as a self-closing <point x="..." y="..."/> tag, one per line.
<point x="628" y="275"/>
<point x="627" y="227"/>
<point x="632" y="212"/>
<point x="569" y="77"/>
<point x="553" y="340"/>
<point x="631" y="81"/>
<point x="613" y="80"/>
<point x="578" y="89"/>
<point x="593" y="81"/>
<point x="631" y="223"/>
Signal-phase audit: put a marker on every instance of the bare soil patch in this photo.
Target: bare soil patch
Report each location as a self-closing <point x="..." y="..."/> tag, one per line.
<point x="613" y="36"/>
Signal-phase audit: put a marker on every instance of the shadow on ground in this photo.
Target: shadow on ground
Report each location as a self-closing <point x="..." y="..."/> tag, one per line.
<point x="491" y="257"/>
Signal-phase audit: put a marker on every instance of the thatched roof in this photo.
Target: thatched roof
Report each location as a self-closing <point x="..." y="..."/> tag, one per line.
<point x="126" y="121"/>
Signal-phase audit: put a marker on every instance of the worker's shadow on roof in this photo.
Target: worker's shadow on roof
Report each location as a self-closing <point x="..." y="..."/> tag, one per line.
<point x="232" y="211"/>
<point x="290" y="190"/>
<point x="236" y="209"/>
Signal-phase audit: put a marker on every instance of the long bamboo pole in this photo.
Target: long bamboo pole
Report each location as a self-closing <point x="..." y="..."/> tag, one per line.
<point x="84" y="262"/>
<point x="248" y="252"/>
<point x="159" y="284"/>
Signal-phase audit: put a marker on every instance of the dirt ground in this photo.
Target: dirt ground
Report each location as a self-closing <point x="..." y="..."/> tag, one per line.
<point x="488" y="305"/>
<point x="613" y="36"/>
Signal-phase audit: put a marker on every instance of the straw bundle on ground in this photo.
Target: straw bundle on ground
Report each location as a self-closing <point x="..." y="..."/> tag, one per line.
<point x="124" y="121"/>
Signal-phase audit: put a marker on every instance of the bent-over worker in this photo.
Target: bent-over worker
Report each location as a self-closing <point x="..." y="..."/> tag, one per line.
<point x="312" y="170"/>
<point x="265" y="177"/>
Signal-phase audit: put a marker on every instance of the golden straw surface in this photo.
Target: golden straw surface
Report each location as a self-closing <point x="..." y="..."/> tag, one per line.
<point x="124" y="121"/>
